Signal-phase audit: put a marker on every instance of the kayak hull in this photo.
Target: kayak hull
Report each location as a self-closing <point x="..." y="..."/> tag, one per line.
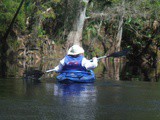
<point x="76" y="77"/>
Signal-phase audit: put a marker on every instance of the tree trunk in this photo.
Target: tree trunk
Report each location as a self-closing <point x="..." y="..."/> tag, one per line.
<point x="4" y="40"/>
<point x="75" y="36"/>
<point x="120" y="29"/>
<point x="5" y="44"/>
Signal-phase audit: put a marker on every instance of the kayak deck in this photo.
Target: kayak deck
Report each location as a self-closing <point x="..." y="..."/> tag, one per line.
<point x="76" y="76"/>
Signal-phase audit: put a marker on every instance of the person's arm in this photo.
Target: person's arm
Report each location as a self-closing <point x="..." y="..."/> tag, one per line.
<point x="90" y="65"/>
<point x="59" y="67"/>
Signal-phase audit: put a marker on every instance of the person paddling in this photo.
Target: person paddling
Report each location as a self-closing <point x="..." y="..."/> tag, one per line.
<point x="75" y="60"/>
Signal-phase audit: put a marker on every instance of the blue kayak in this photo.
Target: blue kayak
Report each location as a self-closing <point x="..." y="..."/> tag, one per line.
<point x="76" y="76"/>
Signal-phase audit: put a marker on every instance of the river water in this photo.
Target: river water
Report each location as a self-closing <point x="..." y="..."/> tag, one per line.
<point x="102" y="100"/>
<point x="111" y="97"/>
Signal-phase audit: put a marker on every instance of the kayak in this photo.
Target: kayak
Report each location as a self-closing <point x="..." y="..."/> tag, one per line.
<point x="71" y="76"/>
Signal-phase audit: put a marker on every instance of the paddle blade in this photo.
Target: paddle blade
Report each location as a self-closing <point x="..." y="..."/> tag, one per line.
<point x="119" y="54"/>
<point x="33" y="74"/>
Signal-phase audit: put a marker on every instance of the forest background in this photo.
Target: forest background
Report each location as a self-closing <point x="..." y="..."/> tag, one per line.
<point x="37" y="29"/>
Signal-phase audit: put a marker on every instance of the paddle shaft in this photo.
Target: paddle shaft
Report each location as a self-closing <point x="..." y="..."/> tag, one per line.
<point x="115" y="54"/>
<point x="101" y="57"/>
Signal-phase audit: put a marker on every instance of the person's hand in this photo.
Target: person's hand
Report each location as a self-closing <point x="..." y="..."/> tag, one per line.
<point x="51" y="70"/>
<point x="95" y="59"/>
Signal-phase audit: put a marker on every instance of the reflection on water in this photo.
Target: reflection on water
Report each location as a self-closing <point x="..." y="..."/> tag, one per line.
<point x="102" y="100"/>
<point x="139" y="73"/>
<point x="79" y="99"/>
<point x="81" y="90"/>
<point x="112" y="69"/>
<point x="117" y="94"/>
<point x="119" y="69"/>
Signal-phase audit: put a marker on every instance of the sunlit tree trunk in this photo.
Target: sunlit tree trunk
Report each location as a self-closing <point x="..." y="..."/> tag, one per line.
<point x="118" y="43"/>
<point x="75" y="35"/>
<point x="120" y="29"/>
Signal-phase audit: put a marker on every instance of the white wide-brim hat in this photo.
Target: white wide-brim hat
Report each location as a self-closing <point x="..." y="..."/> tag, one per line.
<point x="75" y="50"/>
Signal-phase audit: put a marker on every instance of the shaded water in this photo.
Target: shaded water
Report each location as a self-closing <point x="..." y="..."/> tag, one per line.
<point x="119" y="93"/>
<point x="102" y="100"/>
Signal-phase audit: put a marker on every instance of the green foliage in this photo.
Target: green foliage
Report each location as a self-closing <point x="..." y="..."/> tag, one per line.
<point x="29" y="7"/>
<point x="41" y="32"/>
<point x="92" y="29"/>
<point x="100" y="5"/>
<point x="83" y="4"/>
<point x="39" y="43"/>
<point x="7" y="12"/>
<point x="14" y="44"/>
<point x="60" y="20"/>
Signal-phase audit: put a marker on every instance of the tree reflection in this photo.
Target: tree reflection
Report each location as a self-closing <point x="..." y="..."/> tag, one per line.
<point x="109" y="69"/>
<point x="119" y="69"/>
<point x="140" y="73"/>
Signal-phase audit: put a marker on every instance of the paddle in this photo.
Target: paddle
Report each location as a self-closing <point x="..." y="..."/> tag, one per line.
<point x="36" y="74"/>
<point x="116" y="54"/>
